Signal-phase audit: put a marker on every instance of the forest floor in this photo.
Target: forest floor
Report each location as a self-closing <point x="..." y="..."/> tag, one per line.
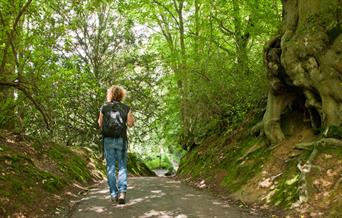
<point x="158" y="197"/>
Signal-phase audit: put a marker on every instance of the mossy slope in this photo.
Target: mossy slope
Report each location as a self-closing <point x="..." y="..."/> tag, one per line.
<point x="244" y="167"/>
<point x="41" y="173"/>
<point x="136" y="167"/>
<point x="35" y="173"/>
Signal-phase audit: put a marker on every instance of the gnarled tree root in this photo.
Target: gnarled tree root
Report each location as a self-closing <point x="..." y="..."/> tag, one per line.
<point x="304" y="170"/>
<point x="308" y="166"/>
<point x="324" y="142"/>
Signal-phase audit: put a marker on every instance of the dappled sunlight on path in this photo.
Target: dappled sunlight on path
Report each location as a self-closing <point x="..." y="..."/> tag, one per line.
<point x="156" y="197"/>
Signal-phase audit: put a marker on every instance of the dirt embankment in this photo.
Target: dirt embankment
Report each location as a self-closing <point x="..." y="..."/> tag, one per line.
<point x="39" y="178"/>
<point x="298" y="182"/>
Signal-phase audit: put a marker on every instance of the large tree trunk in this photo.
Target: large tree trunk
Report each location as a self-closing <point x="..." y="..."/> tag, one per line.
<point x="305" y="61"/>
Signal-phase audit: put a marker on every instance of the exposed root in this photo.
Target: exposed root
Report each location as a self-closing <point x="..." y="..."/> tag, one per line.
<point x="304" y="170"/>
<point x="324" y="142"/>
<point x="254" y="148"/>
<point x="257" y="128"/>
<point x="338" y="182"/>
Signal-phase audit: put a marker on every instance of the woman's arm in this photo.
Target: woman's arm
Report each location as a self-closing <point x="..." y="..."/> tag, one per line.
<point x="130" y="119"/>
<point x="100" y="120"/>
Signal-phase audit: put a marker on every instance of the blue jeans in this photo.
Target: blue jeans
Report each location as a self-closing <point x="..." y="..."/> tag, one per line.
<point x="115" y="151"/>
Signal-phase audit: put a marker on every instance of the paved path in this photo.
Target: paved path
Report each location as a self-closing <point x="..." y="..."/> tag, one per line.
<point x="156" y="197"/>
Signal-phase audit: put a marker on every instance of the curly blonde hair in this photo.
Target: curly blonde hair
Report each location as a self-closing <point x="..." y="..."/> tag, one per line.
<point x="116" y="93"/>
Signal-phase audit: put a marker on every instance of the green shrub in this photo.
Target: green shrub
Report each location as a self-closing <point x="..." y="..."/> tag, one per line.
<point x="159" y="163"/>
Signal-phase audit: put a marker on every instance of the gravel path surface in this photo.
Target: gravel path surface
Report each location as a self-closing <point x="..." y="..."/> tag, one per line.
<point x="156" y="197"/>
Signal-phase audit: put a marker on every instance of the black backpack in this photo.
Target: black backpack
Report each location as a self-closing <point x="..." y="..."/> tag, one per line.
<point x="114" y="121"/>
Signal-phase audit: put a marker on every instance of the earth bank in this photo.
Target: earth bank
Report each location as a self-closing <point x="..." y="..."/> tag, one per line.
<point x="243" y="166"/>
<point x="36" y="172"/>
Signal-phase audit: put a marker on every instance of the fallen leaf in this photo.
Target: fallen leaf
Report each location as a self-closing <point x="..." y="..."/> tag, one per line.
<point x="292" y="181"/>
<point x="331" y="173"/>
<point x="327" y="156"/>
<point x="266" y="183"/>
<point x="326" y="184"/>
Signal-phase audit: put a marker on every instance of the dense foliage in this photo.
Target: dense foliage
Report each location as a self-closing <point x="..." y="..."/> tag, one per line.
<point x="192" y="68"/>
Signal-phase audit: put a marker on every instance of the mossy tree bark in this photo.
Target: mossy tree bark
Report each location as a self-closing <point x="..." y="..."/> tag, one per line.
<point x="305" y="62"/>
<point x="11" y="23"/>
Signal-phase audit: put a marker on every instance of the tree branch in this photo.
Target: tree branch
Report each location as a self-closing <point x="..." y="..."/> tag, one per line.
<point x="21" y="12"/>
<point x="168" y="10"/>
<point x="225" y="30"/>
<point x="11" y="33"/>
<point x="222" y="47"/>
<point x="29" y="96"/>
<point x="15" y="54"/>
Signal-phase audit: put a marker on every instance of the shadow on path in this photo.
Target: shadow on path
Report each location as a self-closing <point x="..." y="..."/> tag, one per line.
<point x="156" y="197"/>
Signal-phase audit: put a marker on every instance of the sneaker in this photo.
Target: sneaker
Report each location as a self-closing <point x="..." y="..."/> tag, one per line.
<point x="114" y="199"/>
<point x="122" y="198"/>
